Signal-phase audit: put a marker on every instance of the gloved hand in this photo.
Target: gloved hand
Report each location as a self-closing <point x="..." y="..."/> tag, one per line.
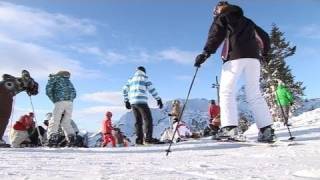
<point x="159" y="102"/>
<point x="33" y="88"/>
<point x="46" y="122"/>
<point x="169" y="114"/>
<point x="128" y="105"/>
<point x="201" y="58"/>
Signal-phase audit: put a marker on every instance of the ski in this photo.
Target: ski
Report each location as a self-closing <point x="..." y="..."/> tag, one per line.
<point x="275" y="143"/>
<point x="5" y="146"/>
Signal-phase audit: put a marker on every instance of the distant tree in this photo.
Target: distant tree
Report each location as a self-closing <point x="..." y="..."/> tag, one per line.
<point x="277" y="70"/>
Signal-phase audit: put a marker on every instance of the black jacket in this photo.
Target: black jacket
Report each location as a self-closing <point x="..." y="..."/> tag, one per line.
<point x="239" y="32"/>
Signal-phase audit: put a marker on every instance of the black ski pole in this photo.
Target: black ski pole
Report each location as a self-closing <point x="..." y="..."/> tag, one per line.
<point x="35" y="119"/>
<point x="180" y="115"/>
<point x="285" y="119"/>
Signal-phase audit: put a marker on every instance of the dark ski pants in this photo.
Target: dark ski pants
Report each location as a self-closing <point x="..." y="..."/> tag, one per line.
<point x="5" y="109"/>
<point x="34" y="136"/>
<point x="143" y="116"/>
<point x="286" y="110"/>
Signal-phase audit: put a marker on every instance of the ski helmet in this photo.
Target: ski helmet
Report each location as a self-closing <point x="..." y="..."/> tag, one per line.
<point x="109" y="114"/>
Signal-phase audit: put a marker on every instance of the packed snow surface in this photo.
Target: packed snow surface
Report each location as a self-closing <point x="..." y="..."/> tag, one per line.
<point x="193" y="159"/>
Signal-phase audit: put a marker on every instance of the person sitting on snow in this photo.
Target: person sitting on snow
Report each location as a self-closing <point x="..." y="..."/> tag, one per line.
<point x="183" y="131"/>
<point x="107" y="131"/>
<point x="121" y="139"/>
<point x="19" y="135"/>
<point x="175" y="112"/>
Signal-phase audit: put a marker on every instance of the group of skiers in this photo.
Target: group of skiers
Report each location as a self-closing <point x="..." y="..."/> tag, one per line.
<point x="245" y="46"/>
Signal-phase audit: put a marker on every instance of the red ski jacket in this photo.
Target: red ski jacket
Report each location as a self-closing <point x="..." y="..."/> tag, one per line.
<point x="214" y="111"/>
<point x="24" y="123"/>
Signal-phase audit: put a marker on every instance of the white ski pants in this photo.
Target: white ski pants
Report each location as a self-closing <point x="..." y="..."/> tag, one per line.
<point x="61" y="107"/>
<point x="231" y="72"/>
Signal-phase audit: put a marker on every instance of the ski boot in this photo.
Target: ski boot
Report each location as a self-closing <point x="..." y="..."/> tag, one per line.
<point x="53" y="140"/>
<point x="3" y="144"/>
<point x="71" y="141"/>
<point x="266" y="135"/>
<point x="228" y="133"/>
<point x="139" y="142"/>
<point x="153" y="141"/>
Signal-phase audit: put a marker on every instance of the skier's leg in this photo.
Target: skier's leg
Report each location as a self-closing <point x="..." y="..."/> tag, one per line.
<point x="54" y="122"/>
<point x="5" y="109"/>
<point x="255" y="99"/>
<point x="66" y="121"/>
<point x="138" y="124"/>
<point x="230" y="73"/>
<point x="105" y="140"/>
<point x="147" y="119"/>
<point x="113" y="141"/>
<point x="286" y="110"/>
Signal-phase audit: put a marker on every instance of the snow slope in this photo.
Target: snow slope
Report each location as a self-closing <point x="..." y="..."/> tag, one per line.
<point x="194" y="159"/>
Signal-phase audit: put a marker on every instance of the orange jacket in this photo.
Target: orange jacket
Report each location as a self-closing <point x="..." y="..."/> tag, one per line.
<point x="107" y="126"/>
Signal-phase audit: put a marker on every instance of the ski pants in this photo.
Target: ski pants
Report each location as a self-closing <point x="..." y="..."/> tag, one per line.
<point x="231" y="71"/>
<point x="143" y="116"/>
<point x="286" y="110"/>
<point x="6" y="100"/>
<point x="107" y="138"/>
<point x="61" y="107"/>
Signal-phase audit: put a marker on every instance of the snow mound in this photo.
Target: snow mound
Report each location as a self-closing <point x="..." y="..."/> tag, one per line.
<point x="312" y="173"/>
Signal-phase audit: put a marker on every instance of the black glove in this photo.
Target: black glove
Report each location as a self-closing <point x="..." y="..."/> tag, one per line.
<point x="46" y="122"/>
<point x="169" y="114"/>
<point x="160" y="103"/>
<point x="201" y="58"/>
<point x="32" y="87"/>
<point x="128" y="105"/>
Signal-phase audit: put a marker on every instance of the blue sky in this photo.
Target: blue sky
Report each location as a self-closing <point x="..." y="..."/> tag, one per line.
<point x="101" y="42"/>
